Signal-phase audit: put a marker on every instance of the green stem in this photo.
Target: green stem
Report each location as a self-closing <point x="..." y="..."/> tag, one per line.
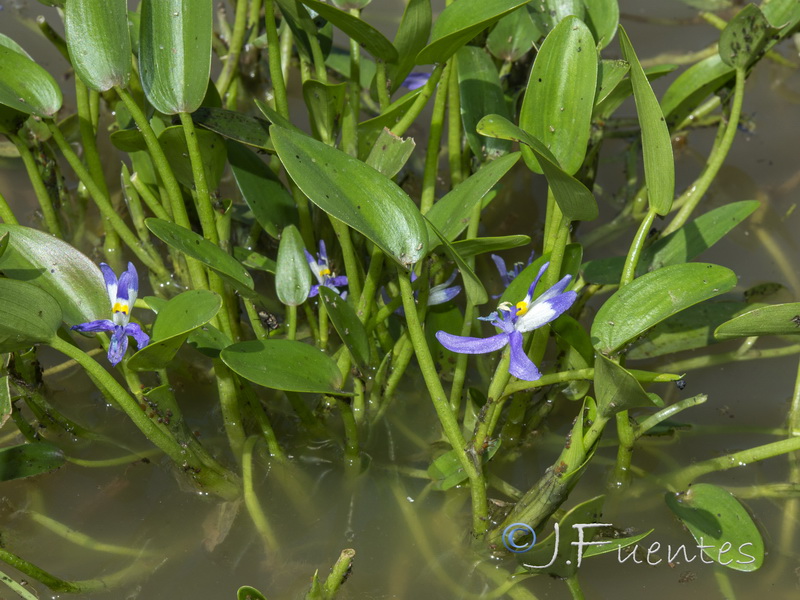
<point x="149" y="258"/>
<point x="351" y="264"/>
<point x="204" y="208"/>
<point x="454" y="125"/>
<point x="223" y="486"/>
<point x="251" y="500"/>
<point x="448" y="421"/>
<point x="339" y="573"/>
<point x="149" y="198"/>
<point x="419" y="104"/>
<point x="291" y="319"/>
<point x="434" y="144"/>
<point x="6" y="213"/>
<point x="234" y="49"/>
<point x="574" y="587"/>
<point x="274" y="54"/>
<point x="380" y="82"/>
<point x="692" y="196"/>
<point x="351" y="451"/>
<point x="39" y="188"/>
<point x="635" y="252"/>
<point x="229" y="405"/>
<point x="365" y="302"/>
<point x="681" y="366"/>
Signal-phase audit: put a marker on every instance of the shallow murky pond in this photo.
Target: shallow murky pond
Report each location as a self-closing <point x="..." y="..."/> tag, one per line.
<point x="135" y="522"/>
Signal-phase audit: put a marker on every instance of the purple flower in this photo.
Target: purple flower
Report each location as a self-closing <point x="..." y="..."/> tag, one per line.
<point x="414" y="81"/>
<point x="122" y="294"/>
<point x="507" y="275"/>
<point x="439" y="294"/>
<point x="322" y="271"/>
<point x="513" y="321"/>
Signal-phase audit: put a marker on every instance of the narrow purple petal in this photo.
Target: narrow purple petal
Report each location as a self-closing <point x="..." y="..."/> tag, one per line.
<point x="110" y="279"/>
<point x="314" y="291"/>
<point x="501" y="268"/>
<point x="541" y="313"/>
<point x="323" y="253"/>
<point x="133" y="282"/>
<point x="440" y="294"/>
<point x="531" y="289"/>
<point x="133" y="330"/>
<point x="91" y="326"/>
<point x="471" y="345"/>
<point x="118" y="346"/>
<point x="521" y="366"/>
<point x="414" y="81"/>
<point x="339" y="280"/>
<point x="124" y="286"/>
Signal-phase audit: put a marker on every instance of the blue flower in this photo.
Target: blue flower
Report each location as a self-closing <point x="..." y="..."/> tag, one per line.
<point x="506" y="275"/>
<point x="322" y="271"/>
<point x="439" y="294"/>
<point x="513" y="321"/>
<point x="122" y="294"/>
<point x="414" y="81"/>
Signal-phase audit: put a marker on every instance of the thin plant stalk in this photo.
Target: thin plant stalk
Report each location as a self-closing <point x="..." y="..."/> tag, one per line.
<point x="257" y="515"/>
<point x="434" y="143"/>
<point x="39" y="188"/>
<point x="231" y="65"/>
<point x="6" y="213"/>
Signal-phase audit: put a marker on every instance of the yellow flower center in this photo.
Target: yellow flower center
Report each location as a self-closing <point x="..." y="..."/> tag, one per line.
<point x="522" y="308"/>
<point x="123" y="308"/>
<point x="323" y="272"/>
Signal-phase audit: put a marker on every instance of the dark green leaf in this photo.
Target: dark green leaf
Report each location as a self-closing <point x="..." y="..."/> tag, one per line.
<point x="249" y="593"/>
<point x="446" y="471"/>
<point x="745" y="37"/>
<point x="459" y="23"/>
<point x="284" y="365"/>
<point x="575" y="200"/>
<point x="653" y="297"/>
<point x="325" y="104"/>
<point x="659" y="166"/>
<point x="272" y="205"/>
<point x="254" y="260"/>
<point x="207" y="253"/>
<point x="472" y="285"/>
<point x="778" y="319"/>
<point x="347" y="325"/>
<point x="98" y="42"/>
<point x="27" y="460"/>
<point x="471" y="247"/>
<point x="59" y="269"/>
<point x="367" y="36"/>
<point x="28" y="315"/>
<point x="720" y="525"/>
<point x="681" y="246"/>
<point x="235" y="126"/>
<point x="175" y="321"/>
<point x="371" y="129"/>
<point x="390" y="153"/>
<point x="292" y="275"/>
<point x="513" y="36"/>
<point x="412" y="35"/>
<point x="27" y="87"/>
<point x="175" y="53"/>
<point x="549" y="13"/>
<point x="616" y="388"/>
<point x="212" y="151"/>
<point x="602" y="17"/>
<point x="450" y="214"/>
<point x="481" y="95"/>
<point x="274" y="117"/>
<point x="128" y="140"/>
<point x="615" y="97"/>
<point x="354" y="193"/>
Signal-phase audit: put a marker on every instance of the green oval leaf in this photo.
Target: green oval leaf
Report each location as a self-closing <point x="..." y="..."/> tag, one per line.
<point x="370" y="38"/>
<point x="354" y="193"/>
<point x="28" y="315"/>
<point x="175" y="321"/>
<point x="412" y="35"/>
<point x="284" y="365"/>
<point x="459" y="23"/>
<point x="513" y="36"/>
<point x="778" y="319"/>
<point x="27" y="87"/>
<point x="249" y="593"/>
<point x="175" y="53"/>
<point x="59" y="269"/>
<point x="602" y="17"/>
<point x="348" y="326"/>
<point x="659" y="166"/>
<point x="745" y="36"/>
<point x="272" y="205"/>
<point x="207" y="253"/>
<point x="653" y="297"/>
<point x="27" y="460"/>
<point x="720" y="525"/>
<point x="98" y="42"/>
<point x="235" y="126"/>
<point x="574" y="199"/>
<point x="292" y="275"/>
<point x="481" y="95"/>
<point x="558" y="103"/>
<point x="212" y="151"/>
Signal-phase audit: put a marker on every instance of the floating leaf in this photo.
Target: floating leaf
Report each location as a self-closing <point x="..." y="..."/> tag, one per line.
<point x="59" y="269"/>
<point x="347" y="325"/>
<point x="212" y="152"/>
<point x="681" y="246"/>
<point x="659" y="166"/>
<point x="175" y="321"/>
<point x="450" y="214"/>
<point x="207" y="253"/>
<point x="575" y="201"/>
<point x="459" y="23"/>
<point x="235" y="126"/>
<point x="481" y="95"/>
<point x="354" y="193"/>
<point x="558" y="103"/>
<point x="175" y="53"/>
<point x="720" y="525"/>
<point x="284" y="365"/>
<point x="292" y="275"/>
<point x="27" y="87"/>
<point x="98" y="42"/>
<point x="653" y="297"/>
<point x="272" y="205"/>
<point x="27" y="460"/>
<point x="778" y="319"/>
